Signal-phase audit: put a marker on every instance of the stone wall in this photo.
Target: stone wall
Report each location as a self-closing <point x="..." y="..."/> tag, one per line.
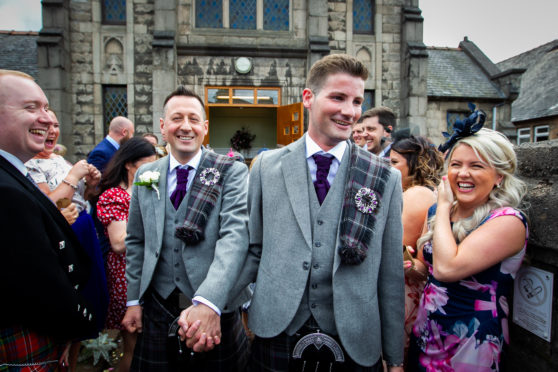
<point x="143" y="66"/>
<point x="539" y="168"/>
<point x="81" y="77"/>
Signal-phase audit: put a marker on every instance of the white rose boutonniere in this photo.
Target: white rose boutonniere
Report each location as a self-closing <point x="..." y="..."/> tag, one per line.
<point x="150" y="180"/>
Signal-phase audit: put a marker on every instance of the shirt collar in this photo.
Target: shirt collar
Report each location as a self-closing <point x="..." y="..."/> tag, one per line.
<point x="194" y="162"/>
<point x="113" y="141"/>
<point x="15" y="161"/>
<point x="313" y="148"/>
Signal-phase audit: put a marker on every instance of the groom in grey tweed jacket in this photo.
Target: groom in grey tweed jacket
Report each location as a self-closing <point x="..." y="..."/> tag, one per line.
<point x="310" y="273"/>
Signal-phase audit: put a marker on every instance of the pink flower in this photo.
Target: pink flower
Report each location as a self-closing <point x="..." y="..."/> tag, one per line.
<point x="435" y="298"/>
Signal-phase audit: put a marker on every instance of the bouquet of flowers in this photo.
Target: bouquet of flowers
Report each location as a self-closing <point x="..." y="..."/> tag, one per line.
<point x="242" y="139"/>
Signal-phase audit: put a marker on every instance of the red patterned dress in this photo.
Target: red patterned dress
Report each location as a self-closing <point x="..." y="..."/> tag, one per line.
<point x="112" y="206"/>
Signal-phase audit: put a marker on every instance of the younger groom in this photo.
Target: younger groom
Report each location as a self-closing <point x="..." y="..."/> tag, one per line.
<point x="187" y="240"/>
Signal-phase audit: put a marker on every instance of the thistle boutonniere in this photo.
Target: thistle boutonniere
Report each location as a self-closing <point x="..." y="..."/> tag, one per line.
<point x="150" y="180"/>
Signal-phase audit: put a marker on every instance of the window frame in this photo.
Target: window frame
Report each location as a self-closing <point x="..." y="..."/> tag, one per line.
<point x="225" y="14"/>
<point x="104" y="21"/>
<point x="537" y="134"/>
<point x="524" y="135"/>
<point x="238" y="87"/>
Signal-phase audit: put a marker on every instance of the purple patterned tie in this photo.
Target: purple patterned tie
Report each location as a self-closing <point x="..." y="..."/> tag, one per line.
<point x="321" y="185"/>
<point x="180" y="190"/>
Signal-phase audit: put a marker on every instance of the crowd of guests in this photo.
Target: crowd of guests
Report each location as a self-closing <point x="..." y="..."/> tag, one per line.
<point x="363" y="241"/>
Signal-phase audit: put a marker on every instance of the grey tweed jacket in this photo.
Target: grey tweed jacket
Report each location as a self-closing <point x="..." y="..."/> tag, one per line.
<point x="368" y="299"/>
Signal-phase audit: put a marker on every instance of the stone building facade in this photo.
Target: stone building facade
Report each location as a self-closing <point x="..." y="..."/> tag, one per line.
<point x="160" y="43"/>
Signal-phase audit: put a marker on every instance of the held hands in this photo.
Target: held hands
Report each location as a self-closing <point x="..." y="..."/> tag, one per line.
<point x="200" y="326"/>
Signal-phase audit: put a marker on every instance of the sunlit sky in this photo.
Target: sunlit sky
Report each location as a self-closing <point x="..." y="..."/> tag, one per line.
<point x="501" y="28"/>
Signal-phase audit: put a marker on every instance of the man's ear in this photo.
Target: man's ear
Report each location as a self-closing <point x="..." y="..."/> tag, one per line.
<point x="307" y="97"/>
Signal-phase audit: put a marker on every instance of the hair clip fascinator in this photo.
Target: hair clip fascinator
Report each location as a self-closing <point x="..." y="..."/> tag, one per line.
<point x="464" y="128"/>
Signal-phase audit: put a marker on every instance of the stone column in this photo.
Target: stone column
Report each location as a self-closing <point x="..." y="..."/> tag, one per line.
<point x="164" y="56"/>
<point x="414" y="70"/>
<point x="53" y="58"/>
<point x="318" y="41"/>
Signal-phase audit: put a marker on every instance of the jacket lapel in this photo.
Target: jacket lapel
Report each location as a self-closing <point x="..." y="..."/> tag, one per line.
<point x="159" y="203"/>
<point x="344" y="163"/>
<point x="35" y="191"/>
<point x="295" y="172"/>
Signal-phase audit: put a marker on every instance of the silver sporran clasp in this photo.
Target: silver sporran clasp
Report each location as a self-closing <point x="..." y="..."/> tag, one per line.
<point x="319" y="340"/>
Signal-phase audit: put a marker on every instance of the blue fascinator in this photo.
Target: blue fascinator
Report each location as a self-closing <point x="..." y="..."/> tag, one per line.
<point x="464" y="128"/>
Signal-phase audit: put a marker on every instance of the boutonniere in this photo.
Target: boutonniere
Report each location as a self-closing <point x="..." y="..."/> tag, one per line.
<point x="366" y="200"/>
<point x="150" y="180"/>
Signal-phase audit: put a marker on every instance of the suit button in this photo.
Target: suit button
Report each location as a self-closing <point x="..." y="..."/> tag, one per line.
<point x="320" y="222"/>
<point x="314" y="286"/>
<point x="176" y="264"/>
<point x="313" y="306"/>
<point x="306" y="265"/>
<point x="318" y="244"/>
<point x="177" y="279"/>
<point x="176" y="249"/>
<point x="316" y="266"/>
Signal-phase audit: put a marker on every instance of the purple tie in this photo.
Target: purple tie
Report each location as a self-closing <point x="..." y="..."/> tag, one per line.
<point x="321" y="185"/>
<point x="180" y="190"/>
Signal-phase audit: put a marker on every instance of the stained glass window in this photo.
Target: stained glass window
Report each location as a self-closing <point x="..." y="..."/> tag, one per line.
<point x="209" y="13"/>
<point x="114" y="11"/>
<point x="276" y="15"/>
<point x="363" y="16"/>
<point x="115" y="103"/>
<point x="242" y="14"/>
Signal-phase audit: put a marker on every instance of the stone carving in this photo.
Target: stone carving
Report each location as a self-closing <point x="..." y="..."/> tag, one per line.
<point x="113" y="56"/>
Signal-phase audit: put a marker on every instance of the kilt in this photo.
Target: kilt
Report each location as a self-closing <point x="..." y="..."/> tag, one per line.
<point x="24" y="350"/>
<point x="275" y="355"/>
<point x="156" y="352"/>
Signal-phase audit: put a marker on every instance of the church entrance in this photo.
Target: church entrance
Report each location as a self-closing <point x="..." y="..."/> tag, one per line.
<point x="256" y="109"/>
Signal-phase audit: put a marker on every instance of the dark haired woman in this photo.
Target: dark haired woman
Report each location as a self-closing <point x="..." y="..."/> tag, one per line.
<point x="420" y="165"/>
<point x="112" y="211"/>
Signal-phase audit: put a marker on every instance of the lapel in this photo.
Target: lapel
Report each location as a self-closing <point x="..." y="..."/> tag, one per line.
<point x="344" y="163"/>
<point x="159" y="204"/>
<point x="295" y="172"/>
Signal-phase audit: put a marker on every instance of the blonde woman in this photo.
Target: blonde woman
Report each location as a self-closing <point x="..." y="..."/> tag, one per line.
<point x="473" y="248"/>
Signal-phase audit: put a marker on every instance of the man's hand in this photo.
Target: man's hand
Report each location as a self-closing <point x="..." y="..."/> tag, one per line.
<point x="70" y="213"/>
<point x="132" y="319"/>
<point x="200" y="326"/>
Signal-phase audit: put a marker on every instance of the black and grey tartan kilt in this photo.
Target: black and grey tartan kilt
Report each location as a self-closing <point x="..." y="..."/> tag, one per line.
<point x="156" y="352"/>
<point x="275" y="355"/>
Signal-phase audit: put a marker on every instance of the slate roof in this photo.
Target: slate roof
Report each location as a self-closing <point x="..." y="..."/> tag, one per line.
<point x="453" y="74"/>
<point x="538" y="95"/>
<point x="18" y="51"/>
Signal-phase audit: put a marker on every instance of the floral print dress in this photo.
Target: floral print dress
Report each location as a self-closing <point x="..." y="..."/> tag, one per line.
<point x="461" y="326"/>
<point x="113" y="205"/>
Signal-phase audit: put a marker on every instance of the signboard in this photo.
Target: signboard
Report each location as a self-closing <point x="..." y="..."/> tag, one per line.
<point x="532" y="301"/>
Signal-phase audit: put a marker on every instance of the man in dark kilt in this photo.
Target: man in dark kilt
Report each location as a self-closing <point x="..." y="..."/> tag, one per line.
<point x="326" y="241"/>
<point x="186" y="242"/>
<point x="42" y="265"/>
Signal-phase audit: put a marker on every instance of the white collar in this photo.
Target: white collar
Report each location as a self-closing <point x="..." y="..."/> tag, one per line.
<point x="113" y="141"/>
<point x="194" y="162"/>
<point x="312" y="148"/>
